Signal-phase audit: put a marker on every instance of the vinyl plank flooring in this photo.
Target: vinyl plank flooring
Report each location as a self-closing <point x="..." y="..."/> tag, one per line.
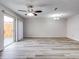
<point x="42" y="49"/>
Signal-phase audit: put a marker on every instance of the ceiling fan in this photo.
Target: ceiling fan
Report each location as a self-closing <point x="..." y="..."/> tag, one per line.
<point x="30" y="11"/>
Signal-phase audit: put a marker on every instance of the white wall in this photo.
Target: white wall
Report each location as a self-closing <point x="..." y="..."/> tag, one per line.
<point x="1" y="23"/>
<point x="44" y="27"/>
<point x="73" y="28"/>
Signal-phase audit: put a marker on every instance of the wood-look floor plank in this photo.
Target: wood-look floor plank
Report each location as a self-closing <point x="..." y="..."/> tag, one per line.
<point x="42" y="49"/>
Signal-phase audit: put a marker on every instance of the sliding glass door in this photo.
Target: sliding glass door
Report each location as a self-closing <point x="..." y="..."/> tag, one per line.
<point x="8" y="30"/>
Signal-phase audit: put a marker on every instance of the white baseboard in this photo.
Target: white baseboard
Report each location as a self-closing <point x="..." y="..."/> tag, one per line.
<point x="44" y="37"/>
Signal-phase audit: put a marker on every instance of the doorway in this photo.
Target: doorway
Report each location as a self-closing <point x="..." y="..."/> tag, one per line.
<point x="8" y="30"/>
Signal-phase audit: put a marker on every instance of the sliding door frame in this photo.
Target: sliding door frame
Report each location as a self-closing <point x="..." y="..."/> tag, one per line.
<point x="14" y="26"/>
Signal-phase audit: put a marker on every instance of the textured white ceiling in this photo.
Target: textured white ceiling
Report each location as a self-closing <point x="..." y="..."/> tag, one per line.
<point x="69" y="7"/>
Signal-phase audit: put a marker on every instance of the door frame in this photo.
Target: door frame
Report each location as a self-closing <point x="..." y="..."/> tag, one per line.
<point x="14" y="26"/>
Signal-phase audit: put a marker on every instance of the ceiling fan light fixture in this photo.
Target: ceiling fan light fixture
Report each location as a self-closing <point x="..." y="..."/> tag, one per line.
<point x="30" y="14"/>
<point x="30" y="11"/>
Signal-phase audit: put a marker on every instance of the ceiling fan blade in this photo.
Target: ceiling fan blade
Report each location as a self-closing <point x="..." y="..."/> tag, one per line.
<point x="35" y="14"/>
<point x="22" y="10"/>
<point x="38" y="11"/>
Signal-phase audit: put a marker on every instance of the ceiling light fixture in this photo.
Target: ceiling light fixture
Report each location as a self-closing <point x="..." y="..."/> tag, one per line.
<point x="56" y="18"/>
<point x="30" y="14"/>
<point x="57" y="15"/>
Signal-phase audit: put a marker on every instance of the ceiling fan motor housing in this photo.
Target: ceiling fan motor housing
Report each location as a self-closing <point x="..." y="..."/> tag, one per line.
<point x="30" y="6"/>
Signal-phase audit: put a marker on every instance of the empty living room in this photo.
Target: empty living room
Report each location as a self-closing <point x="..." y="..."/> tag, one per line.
<point x="39" y="29"/>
